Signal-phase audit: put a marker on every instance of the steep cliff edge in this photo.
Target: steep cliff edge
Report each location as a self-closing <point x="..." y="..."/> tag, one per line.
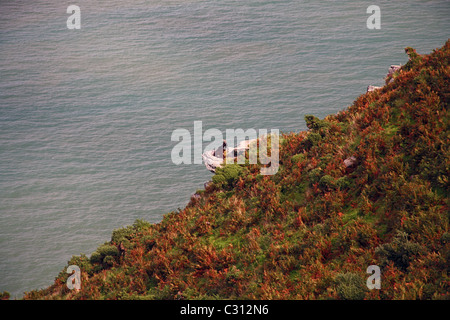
<point x="367" y="186"/>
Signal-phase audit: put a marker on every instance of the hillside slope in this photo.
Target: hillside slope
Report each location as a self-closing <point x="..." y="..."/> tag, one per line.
<point x="367" y="186"/>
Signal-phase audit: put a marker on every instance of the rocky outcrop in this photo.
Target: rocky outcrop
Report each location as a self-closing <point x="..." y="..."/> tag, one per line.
<point x="372" y="88"/>
<point x="350" y="162"/>
<point x="390" y="76"/>
<point x="211" y="161"/>
<point x="393" y="68"/>
<point x="214" y="159"/>
<point x="388" y="79"/>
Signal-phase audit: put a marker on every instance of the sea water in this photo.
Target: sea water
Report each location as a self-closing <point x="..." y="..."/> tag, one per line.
<point x="86" y="115"/>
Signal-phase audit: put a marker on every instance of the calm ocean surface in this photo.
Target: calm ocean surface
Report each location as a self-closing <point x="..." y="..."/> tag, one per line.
<point x="86" y="116"/>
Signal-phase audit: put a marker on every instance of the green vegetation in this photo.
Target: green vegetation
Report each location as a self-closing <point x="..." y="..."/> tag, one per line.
<point x="311" y="230"/>
<point x="227" y="175"/>
<point x="350" y="286"/>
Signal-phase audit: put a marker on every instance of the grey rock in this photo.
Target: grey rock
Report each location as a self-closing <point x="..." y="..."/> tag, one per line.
<point x="372" y="88"/>
<point x="350" y="162"/>
<point x="213" y="160"/>
<point x="393" y="68"/>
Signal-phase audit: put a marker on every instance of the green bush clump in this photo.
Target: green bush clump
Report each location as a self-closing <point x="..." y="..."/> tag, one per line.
<point x="313" y="139"/>
<point x="314" y="175"/>
<point x="106" y="254"/>
<point x="343" y="182"/>
<point x="314" y="123"/>
<point x="350" y="286"/>
<point x="123" y="235"/>
<point x="326" y="182"/>
<point x="297" y="158"/>
<point x="96" y="257"/>
<point x="108" y="261"/>
<point x="414" y="58"/>
<point x="401" y="251"/>
<point x="227" y="175"/>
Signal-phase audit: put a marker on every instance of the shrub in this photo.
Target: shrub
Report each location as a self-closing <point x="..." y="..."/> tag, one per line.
<point x="297" y="158"/>
<point x="108" y="261"/>
<point x="343" y="182"/>
<point x="106" y="254"/>
<point x="314" y="175"/>
<point x="313" y="139"/>
<point x="96" y="257"/>
<point x="414" y="58"/>
<point x="108" y="250"/>
<point x="350" y="286"/>
<point x="326" y="182"/>
<point x="123" y="235"/>
<point x="314" y="123"/>
<point x="401" y="251"/>
<point x="219" y="179"/>
<point x="227" y="175"/>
